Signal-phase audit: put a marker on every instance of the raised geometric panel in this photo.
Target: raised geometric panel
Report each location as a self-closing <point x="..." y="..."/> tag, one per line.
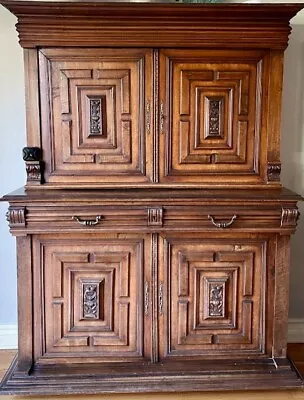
<point x="216" y="302"/>
<point x="94" y="126"/>
<point x="214" y="118"/>
<point x="92" y="302"/>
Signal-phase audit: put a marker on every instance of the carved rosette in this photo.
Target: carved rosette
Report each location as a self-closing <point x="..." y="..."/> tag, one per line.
<point x="33" y="164"/>
<point x="15" y="217"/>
<point x="155" y="216"/>
<point x="289" y="217"/>
<point x="273" y="171"/>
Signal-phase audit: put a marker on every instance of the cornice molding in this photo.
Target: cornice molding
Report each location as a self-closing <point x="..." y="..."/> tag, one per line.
<point x="151" y="24"/>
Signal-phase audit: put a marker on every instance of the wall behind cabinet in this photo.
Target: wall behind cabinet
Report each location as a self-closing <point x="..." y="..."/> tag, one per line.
<point x="12" y="139"/>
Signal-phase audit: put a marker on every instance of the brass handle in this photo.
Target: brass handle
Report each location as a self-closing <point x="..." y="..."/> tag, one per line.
<point x="148" y="117"/>
<point x="87" y="222"/>
<point x="222" y="224"/>
<point x="161" y="117"/>
<point x="161" y="297"/>
<point x="146" y="298"/>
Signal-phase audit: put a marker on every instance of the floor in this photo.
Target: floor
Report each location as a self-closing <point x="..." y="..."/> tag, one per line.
<point x="296" y="352"/>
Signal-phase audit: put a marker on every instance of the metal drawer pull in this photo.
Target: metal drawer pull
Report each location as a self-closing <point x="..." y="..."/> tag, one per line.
<point x="87" y="222"/>
<point x="222" y="224"/>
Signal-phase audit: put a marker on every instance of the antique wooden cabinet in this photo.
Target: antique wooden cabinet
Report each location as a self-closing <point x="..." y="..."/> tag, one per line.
<point x="153" y="232"/>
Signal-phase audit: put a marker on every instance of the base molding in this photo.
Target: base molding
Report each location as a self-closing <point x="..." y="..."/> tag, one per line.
<point x="296" y="330"/>
<point x="169" y="376"/>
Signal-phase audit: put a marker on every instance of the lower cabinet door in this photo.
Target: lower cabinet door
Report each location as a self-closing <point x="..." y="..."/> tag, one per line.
<point x="214" y="296"/>
<point x="89" y="297"/>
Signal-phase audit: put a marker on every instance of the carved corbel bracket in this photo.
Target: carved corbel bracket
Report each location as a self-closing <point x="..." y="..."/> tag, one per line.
<point x="155" y="216"/>
<point x="289" y="217"/>
<point x="273" y="171"/>
<point x="15" y="217"/>
<point x="33" y="163"/>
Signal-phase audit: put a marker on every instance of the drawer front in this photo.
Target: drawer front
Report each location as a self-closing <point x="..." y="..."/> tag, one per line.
<point x="154" y="218"/>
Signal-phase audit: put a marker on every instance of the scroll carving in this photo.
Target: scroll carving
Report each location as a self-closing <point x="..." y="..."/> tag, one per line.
<point x="33" y="171"/>
<point x="33" y="164"/>
<point x="273" y="171"/>
<point x="155" y="217"/>
<point x="289" y="217"/>
<point x="90" y="300"/>
<point x="16" y="217"/>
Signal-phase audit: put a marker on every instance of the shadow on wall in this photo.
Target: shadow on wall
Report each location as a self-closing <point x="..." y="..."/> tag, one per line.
<point x="292" y="156"/>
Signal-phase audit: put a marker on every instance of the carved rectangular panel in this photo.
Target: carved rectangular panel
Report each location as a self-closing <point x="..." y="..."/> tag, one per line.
<point x="215" y="297"/>
<point x="216" y="303"/>
<point x="91" y="304"/>
<point x="93" y="125"/>
<point x="214" y="116"/>
<point x="97" y="116"/>
<point x="92" y="300"/>
<point x="213" y="109"/>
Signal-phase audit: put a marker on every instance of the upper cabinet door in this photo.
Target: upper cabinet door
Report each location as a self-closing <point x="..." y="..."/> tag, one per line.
<point x="212" y="117"/>
<point x="96" y="116"/>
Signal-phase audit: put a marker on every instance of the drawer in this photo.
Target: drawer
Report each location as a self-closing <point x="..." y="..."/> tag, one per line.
<point x="155" y="218"/>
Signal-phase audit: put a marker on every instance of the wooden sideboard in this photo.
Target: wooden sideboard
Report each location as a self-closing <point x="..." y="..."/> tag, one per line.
<point x="153" y="232"/>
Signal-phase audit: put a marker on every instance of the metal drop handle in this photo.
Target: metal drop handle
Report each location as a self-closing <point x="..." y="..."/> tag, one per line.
<point x="88" y="222"/>
<point x="222" y="224"/>
<point x="146" y="298"/>
<point x="148" y="117"/>
<point x="161" y="298"/>
<point x="161" y="118"/>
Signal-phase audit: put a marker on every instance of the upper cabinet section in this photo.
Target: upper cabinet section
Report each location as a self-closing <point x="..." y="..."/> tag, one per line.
<point x="153" y="95"/>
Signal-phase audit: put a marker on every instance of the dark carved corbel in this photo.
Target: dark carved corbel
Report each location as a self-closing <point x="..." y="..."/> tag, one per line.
<point x="289" y="217"/>
<point x="33" y="163"/>
<point x="15" y="217"/>
<point x="273" y="171"/>
<point x="155" y="216"/>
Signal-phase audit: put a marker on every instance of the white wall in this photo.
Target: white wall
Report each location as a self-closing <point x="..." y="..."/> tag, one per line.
<point x="12" y="139"/>
<point x="292" y="154"/>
